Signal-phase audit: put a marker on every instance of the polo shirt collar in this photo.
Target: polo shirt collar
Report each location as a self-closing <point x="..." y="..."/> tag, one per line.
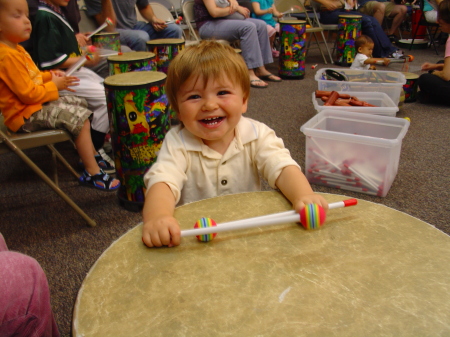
<point x="245" y="132"/>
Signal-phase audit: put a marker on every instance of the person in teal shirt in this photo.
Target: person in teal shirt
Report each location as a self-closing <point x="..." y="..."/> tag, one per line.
<point x="265" y="10"/>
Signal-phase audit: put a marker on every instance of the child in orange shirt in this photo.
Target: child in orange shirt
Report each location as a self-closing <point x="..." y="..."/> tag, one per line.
<point x="29" y="98"/>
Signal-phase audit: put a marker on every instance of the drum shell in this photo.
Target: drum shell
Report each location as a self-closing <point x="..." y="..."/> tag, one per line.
<point x="109" y="41"/>
<point x="165" y="51"/>
<point x="410" y="87"/>
<point x="293" y="49"/>
<point x="139" y="121"/>
<point x="132" y="61"/>
<point x="349" y="28"/>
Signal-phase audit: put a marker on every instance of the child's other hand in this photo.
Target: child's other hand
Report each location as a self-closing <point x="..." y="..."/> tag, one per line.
<point x="65" y="82"/>
<point x="93" y="60"/>
<point x="386" y="61"/>
<point x="310" y="199"/>
<point x="427" y="66"/>
<point x="162" y="231"/>
<point x="57" y="73"/>
<point x="82" y="39"/>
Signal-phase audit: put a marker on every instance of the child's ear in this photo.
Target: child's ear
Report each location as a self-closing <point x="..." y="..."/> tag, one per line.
<point x="245" y="105"/>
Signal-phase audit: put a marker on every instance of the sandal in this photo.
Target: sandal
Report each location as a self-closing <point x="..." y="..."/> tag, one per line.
<point x="104" y="165"/>
<point x="258" y="86"/>
<point x="270" y="78"/>
<point x="101" y="181"/>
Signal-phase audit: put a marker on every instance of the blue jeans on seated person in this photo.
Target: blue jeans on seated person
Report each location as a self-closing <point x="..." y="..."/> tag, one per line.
<point x="369" y="26"/>
<point x="142" y="32"/>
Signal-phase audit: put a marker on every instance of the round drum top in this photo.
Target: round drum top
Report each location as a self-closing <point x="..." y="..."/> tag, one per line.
<point x="131" y="56"/>
<point x="369" y="271"/>
<point x="293" y="22"/>
<point x="105" y="34"/>
<point x="350" y="16"/>
<point x="410" y="76"/>
<point x="165" y="41"/>
<point x="134" y="78"/>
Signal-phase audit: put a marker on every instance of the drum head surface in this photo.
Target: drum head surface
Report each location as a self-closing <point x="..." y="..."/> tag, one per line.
<point x="134" y="78"/>
<point x="368" y="271"/>
<point x="165" y="41"/>
<point x="131" y="56"/>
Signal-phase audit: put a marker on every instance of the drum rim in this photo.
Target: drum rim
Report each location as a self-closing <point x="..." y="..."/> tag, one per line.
<point x="120" y="58"/>
<point x="133" y="75"/>
<point x="157" y="42"/>
<point x="352" y="16"/>
<point x="293" y="21"/>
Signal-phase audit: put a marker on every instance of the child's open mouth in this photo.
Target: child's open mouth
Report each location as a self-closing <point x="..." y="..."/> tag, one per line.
<point x="212" y="121"/>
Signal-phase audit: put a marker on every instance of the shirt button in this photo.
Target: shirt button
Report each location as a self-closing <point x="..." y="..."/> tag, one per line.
<point x="224" y="182"/>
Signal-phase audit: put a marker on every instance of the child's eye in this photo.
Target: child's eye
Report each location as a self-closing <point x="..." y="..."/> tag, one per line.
<point x="223" y="92"/>
<point x="193" y="97"/>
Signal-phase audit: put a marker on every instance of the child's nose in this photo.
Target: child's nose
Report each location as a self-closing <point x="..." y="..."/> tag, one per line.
<point x="210" y="104"/>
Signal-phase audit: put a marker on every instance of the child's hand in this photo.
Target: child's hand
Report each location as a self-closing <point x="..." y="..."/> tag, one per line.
<point x="386" y="61"/>
<point x="65" y="82"/>
<point x="93" y="60"/>
<point x="372" y="67"/>
<point x="57" y="73"/>
<point x="427" y="66"/>
<point x="162" y="231"/>
<point x="310" y="199"/>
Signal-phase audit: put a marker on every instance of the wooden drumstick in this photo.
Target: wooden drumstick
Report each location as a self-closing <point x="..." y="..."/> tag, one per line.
<point x="77" y="65"/>
<point x="108" y="22"/>
<point x="265" y="220"/>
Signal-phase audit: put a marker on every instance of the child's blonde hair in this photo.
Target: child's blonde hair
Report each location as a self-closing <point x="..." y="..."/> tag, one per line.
<point x="362" y="41"/>
<point x="210" y="60"/>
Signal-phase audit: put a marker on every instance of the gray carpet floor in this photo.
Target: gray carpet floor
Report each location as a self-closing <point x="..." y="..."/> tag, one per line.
<point x="35" y="221"/>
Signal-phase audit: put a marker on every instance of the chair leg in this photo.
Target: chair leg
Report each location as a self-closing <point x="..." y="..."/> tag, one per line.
<point x="326" y="46"/>
<point x="62" y="160"/>
<point x="321" y="51"/>
<point x="46" y="179"/>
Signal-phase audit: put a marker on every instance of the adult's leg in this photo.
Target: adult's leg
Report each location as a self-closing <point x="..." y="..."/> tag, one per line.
<point x="171" y="31"/>
<point x="398" y="15"/>
<point x="433" y="89"/>
<point x="135" y="39"/>
<point x="243" y="30"/>
<point x="25" y="308"/>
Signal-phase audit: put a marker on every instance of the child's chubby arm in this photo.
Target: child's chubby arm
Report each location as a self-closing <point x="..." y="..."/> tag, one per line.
<point x="294" y="185"/>
<point x="160" y="227"/>
<point x="372" y="60"/>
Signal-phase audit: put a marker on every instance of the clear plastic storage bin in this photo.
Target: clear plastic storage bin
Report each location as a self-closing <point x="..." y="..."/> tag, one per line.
<point x="353" y="151"/>
<point x="389" y="82"/>
<point x="384" y="104"/>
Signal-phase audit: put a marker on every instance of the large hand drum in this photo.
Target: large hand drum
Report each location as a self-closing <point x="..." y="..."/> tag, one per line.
<point x="132" y="61"/>
<point x="369" y="271"/>
<point x="109" y="41"/>
<point x="139" y="120"/>
<point x="349" y="28"/>
<point x="293" y="51"/>
<point x="165" y="51"/>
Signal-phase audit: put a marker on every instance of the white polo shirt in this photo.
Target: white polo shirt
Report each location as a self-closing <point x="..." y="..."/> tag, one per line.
<point x="193" y="171"/>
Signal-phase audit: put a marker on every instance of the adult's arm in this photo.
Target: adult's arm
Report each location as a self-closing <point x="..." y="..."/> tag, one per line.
<point x="101" y="10"/>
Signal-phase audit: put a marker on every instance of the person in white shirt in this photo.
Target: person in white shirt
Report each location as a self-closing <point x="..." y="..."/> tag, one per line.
<point x="215" y="151"/>
<point x="363" y="59"/>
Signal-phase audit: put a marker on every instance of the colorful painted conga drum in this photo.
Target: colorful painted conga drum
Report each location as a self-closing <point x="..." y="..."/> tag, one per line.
<point x="132" y="61"/>
<point x="139" y="121"/>
<point x="293" y="51"/>
<point x="410" y="87"/>
<point x="109" y="41"/>
<point x="349" y="28"/>
<point x="165" y="50"/>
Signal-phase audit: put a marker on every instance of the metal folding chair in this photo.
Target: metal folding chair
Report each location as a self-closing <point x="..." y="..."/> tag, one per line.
<point x="17" y="142"/>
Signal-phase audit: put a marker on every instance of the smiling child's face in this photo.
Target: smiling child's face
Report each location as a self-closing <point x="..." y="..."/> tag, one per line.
<point x="211" y="111"/>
